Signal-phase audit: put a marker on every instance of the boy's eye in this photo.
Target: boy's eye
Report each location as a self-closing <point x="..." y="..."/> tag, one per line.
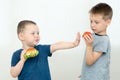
<point x="38" y="33"/>
<point x="33" y="33"/>
<point x="91" y="21"/>
<point x="96" y="22"/>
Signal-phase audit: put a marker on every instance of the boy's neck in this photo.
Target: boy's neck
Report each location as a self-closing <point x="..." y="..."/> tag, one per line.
<point x="100" y="34"/>
<point x="26" y="47"/>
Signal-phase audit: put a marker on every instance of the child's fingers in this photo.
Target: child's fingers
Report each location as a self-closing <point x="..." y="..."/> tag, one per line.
<point x="78" y="37"/>
<point x="22" y="54"/>
<point x="78" y="34"/>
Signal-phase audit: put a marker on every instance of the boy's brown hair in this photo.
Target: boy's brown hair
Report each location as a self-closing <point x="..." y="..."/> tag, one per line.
<point x="22" y="24"/>
<point x="103" y="9"/>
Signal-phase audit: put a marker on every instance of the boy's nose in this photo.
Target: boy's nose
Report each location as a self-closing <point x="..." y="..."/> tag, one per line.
<point x="36" y="35"/>
<point x="92" y="25"/>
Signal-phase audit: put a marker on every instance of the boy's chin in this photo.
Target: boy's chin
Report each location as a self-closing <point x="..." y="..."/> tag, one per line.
<point x="35" y="43"/>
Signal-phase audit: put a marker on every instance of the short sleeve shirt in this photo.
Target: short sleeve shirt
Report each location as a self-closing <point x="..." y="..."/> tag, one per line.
<point x="36" y="68"/>
<point x="100" y="69"/>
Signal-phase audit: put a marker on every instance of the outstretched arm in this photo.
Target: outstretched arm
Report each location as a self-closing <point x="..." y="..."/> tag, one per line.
<point x="65" y="45"/>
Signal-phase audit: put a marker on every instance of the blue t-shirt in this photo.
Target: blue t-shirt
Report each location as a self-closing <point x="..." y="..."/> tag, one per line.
<point x="36" y="68"/>
<point x="100" y="69"/>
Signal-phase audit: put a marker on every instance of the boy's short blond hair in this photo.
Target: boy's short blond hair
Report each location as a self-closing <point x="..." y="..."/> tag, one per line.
<point x="103" y="9"/>
<point x="22" y="24"/>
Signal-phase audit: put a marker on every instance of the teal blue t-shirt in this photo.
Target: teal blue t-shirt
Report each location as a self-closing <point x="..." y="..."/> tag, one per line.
<point x="100" y="69"/>
<point x="36" y="68"/>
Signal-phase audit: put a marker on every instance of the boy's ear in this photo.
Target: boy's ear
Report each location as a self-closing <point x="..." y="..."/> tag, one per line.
<point x="108" y="21"/>
<point x="20" y="36"/>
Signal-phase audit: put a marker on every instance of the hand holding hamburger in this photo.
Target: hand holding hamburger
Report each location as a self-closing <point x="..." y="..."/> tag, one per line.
<point x="30" y="53"/>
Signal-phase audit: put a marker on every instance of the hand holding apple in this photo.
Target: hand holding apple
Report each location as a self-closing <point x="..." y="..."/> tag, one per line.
<point x="88" y="38"/>
<point x="86" y="33"/>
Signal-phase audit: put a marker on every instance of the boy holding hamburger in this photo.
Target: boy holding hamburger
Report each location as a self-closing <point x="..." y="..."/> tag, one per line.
<point x="31" y="61"/>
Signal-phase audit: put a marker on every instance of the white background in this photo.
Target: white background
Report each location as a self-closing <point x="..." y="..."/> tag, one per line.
<point x="58" y="20"/>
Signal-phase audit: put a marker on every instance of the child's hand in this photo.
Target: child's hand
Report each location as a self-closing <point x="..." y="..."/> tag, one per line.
<point x="77" y="40"/>
<point x="22" y="55"/>
<point x="88" y="39"/>
<point x="30" y="53"/>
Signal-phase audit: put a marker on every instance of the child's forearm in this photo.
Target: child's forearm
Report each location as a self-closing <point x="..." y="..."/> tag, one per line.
<point x="89" y="56"/>
<point x="62" y="45"/>
<point x="92" y="56"/>
<point x="15" y="71"/>
<point x="65" y="45"/>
